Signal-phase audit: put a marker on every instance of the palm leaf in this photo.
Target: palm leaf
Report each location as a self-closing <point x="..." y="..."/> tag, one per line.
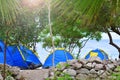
<point x="8" y="10"/>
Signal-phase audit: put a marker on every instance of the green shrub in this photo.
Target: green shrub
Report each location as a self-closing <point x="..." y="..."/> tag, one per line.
<point x="116" y="75"/>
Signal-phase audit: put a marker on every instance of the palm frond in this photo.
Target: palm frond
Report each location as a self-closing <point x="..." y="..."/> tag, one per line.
<point x="8" y="10"/>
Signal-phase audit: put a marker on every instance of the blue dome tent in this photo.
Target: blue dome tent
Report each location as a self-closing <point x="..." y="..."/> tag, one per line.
<point x="23" y="57"/>
<point x="97" y="52"/>
<point x="19" y="56"/>
<point x="60" y="55"/>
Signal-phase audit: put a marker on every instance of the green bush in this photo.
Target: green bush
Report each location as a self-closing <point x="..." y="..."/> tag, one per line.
<point x="116" y="75"/>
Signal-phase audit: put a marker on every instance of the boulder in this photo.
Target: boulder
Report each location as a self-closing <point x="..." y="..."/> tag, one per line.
<point x="81" y="77"/>
<point x="77" y="65"/>
<point x="100" y="72"/>
<point x="71" y="62"/>
<point x="14" y="70"/>
<point x="95" y="59"/>
<point x="83" y="61"/>
<point x="89" y="66"/>
<point x="110" y="66"/>
<point x="71" y="72"/>
<point x="84" y="71"/>
<point x="92" y="71"/>
<point x="99" y="67"/>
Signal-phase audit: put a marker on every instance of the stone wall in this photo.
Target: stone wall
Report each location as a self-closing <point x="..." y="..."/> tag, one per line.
<point x="91" y="69"/>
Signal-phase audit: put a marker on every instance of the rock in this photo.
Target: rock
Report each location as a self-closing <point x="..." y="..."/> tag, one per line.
<point x="83" y="61"/>
<point x="104" y="75"/>
<point x="77" y="65"/>
<point x="71" y="62"/>
<point x="107" y="73"/>
<point x="95" y="59"/>
<point x="89" y="66"/>
<point x="105" y="62"/>
<point x="81" y="77"/>
<point x="51" y="74"/>
<point x="92" y="76"/>
<point x="100" y="72"/>
<point x="110" y="66"/>
<point x="92" y="71"/>
<point x="84" y="71"/>
<point x="99" y="66"/>
<point x="93" y="64"/>
<point x="70" y="72"/>
<point x="118" y="62"/>
<point x="18" y="77"/>
<point x="14" y="70"/>
<point x="110" y="71"/>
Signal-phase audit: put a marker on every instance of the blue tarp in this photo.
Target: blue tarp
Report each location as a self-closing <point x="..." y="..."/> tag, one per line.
<point x="97" y="52"/>
<point x="59" y="56"/>
<point x="18" y="56"/>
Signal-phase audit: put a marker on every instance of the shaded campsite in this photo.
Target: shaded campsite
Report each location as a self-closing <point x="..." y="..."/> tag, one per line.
<point x="67" y="24"/>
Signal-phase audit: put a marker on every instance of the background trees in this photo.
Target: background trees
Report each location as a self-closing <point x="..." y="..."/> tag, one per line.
<point x="93" y="16"/>
<point x="66" y="31"/>
<point x="71" y="21"/>
<point x="19" y="24"/>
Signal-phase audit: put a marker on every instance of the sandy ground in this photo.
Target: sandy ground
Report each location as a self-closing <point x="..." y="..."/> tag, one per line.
<point x="38" y="74"/>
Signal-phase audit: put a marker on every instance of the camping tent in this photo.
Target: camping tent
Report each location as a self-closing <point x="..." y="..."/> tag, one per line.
<point x="19" y="56"/>
<point x="23" y="57"/>
<point x="97" y="52"/>
<point x="8" y="56"/>
<point x="60" y="55"/>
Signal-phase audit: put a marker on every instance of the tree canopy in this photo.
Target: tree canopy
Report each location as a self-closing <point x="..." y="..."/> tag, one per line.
<point x="93" y="16"/>
<point x="71" y="20"/>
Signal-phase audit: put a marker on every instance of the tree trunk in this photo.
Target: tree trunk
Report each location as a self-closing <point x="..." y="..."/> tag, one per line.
<point x="4" y="66"/>
<point x="78" y="54"/>
<point x="112" y="43"/>
<point x="5" y="47"/>
<point x="119" y="52"/>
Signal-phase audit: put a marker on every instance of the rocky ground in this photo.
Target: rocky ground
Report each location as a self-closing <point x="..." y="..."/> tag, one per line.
<point x="92" y="69"/>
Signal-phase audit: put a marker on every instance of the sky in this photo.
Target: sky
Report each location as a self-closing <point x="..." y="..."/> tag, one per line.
<point x="114" y="36"/>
